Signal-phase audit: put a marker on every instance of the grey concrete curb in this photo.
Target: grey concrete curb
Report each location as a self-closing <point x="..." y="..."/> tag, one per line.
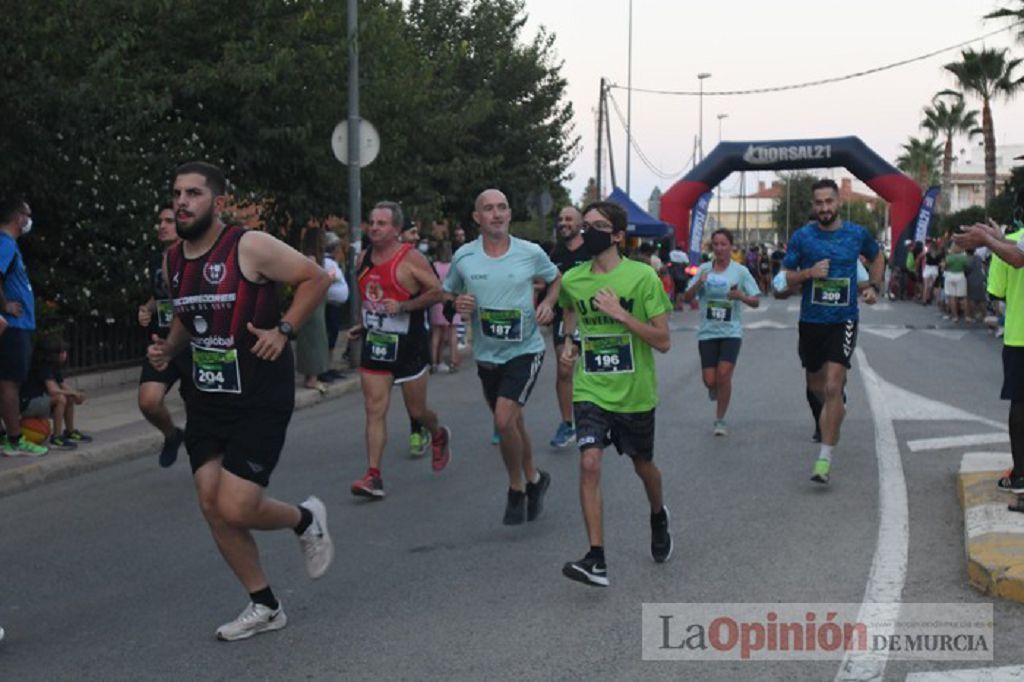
<point x="56" y="466"/>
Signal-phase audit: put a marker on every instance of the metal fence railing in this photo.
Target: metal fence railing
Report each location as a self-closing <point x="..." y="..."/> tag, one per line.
<point x="97" y="343"/>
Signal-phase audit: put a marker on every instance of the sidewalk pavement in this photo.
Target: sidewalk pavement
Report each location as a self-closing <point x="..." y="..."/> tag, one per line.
<point x="111" y="416"/>
<point x="993" y="535"/>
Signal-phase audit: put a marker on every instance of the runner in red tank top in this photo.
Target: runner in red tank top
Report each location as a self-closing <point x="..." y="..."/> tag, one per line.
<point x="397" y="286"/>
<point x="240" y="397"/>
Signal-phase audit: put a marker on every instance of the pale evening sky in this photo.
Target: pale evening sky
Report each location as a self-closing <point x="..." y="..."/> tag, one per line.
<point x="752" y="44"/>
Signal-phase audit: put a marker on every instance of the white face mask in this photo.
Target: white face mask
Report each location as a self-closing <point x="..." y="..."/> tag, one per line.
<point x="27" y="227"/>
<point x="423" y="247"/>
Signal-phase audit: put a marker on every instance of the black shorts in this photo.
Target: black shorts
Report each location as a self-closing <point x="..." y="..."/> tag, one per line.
<point x="714" y="351"/>
<point x="513" y="380"/>
<point x="632" y="433"/>
<point x="558" y="328"/>
<point x="821" y="343"/>
<point x="180" y="366"/>
<point x="409" y="360"/>
<point x="1013" y="374"/>
<point x="15" y="354"/>
<point x="250" y="441"/>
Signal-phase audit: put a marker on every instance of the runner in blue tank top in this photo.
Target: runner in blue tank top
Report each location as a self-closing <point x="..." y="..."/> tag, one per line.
<point x="822" y="258"/>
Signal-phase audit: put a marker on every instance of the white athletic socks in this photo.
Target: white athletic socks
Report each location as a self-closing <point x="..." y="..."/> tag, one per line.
<point x="826" y="453"/>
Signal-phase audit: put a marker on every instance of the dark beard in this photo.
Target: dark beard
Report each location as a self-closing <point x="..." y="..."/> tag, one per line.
<point x="198" y="229"/>
<point x="831" y="219"/>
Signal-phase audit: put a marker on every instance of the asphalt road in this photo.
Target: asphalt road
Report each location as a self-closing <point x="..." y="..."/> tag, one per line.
<point x="113" y="575"/>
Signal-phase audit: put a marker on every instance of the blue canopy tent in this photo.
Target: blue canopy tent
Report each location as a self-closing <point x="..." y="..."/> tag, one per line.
<point x="641" y="223"/>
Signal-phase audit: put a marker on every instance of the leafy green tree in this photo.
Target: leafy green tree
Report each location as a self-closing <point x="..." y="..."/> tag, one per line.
<point x="589" y="192"/>
<point x="988" y="74"/>
<point x="920" y="160"/>
<point x="947" y="120"/>
<point x="870" y="216"/>
<point x="103" y="99"/>
<point x="794" y="201"/>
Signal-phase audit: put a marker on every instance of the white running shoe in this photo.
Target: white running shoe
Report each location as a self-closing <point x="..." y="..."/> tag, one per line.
<point x="316" y="541"/>
<point x="1" y="634"/>
<point x="256" y="618"/>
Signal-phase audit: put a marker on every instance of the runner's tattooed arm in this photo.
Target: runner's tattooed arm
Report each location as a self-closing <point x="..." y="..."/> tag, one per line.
<point x="876" y="268"/>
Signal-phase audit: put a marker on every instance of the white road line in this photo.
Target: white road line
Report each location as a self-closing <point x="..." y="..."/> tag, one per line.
<point x="1010" y="673"/>
<point x="949" y="442"/>
<point x="889" y="565"/>
<point x="891" y="333"/>
<point x="982" y="519"/>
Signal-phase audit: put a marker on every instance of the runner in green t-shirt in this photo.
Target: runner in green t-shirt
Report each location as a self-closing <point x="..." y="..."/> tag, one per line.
<point x="621" y="312"/>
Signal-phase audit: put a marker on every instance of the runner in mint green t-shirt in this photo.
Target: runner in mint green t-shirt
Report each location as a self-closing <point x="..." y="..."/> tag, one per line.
<point x="620" y="310"/>
<point x="721" y="286"/>
<point x="491" y="282"/>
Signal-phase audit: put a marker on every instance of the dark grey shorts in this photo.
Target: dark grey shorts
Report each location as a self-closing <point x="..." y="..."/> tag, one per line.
<point x="632" y="433"/>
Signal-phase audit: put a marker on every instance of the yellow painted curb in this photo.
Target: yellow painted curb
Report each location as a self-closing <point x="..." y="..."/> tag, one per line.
<point x="994" y="549"/>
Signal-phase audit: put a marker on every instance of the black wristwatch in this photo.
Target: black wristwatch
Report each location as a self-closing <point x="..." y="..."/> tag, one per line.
<point x="286" y="328"/>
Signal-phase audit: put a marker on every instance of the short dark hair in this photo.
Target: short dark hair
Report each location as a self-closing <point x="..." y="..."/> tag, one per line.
<point x="825" y="183"/>
<point x="213" y="175"/>
<point x="397" y="219"/>
<point x="725" y="232"/>
<point x="165" y="206"/>
<point x="11" y="206"/>
<point x="615" y="214"/>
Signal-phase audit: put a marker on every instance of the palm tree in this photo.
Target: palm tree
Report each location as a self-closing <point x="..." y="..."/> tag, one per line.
<point x="947" y="121"/>
<point x="920" y="160"/>
<point x="987" y="74"/>
<point x="1016" y="16"/>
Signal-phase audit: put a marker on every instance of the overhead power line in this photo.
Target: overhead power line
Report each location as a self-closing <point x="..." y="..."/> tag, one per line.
<point x="823" y="81"/>
<point x="639" y="152"/>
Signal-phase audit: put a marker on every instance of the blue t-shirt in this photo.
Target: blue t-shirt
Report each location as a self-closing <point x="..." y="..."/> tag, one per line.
<point x="832" y="299"/>
<point x="504" y="323"/>
<point x="720" y="317"/>
<point x="16" y="284"/>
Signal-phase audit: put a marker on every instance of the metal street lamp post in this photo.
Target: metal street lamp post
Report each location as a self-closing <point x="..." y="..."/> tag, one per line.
<point x="700" y="105"/>
<point x="720" y="117"/>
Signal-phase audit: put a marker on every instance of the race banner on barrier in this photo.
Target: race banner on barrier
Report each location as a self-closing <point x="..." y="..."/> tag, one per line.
<point x="924" y="214"/>
<point x="700" y="216"/>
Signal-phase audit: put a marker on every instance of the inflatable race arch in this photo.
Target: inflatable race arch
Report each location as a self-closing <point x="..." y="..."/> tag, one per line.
<point x="902" y="193"/>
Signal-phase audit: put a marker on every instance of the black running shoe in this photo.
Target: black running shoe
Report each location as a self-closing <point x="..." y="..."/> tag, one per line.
<point x="661" y="539"/>
<point x="1009" y="483"/>
<point x="169" y="452"/>
<point x="535" y="495"/>
<point x="515" y="509"/>
<point x="588" y="570"/>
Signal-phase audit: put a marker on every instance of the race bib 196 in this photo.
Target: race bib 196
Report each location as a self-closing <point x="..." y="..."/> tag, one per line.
<point x="719" y="311"/>
<point x="831" y="291"/>
<point x="215" y="370"/>
<point x="608" y="354"/>
<point x="381" y="346"/>
<point x="502" y="324"/>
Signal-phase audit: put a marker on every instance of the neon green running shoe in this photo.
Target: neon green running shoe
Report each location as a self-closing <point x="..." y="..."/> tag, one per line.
<point x="418" y="443"/>
<point x="23" y="448"/>
<point x="821" y="471"/>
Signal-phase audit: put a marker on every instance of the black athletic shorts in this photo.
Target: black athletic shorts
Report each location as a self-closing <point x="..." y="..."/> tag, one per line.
<point x="180" y="366"/>
<point x="15" y="354"/>
<point x="1013" y="374"/>
<point x="632" y="433"/>
<point x="821" y="343"/>
<point x="558" y="328"/>
<point x="513" y="380"/>
<point x="407" y="359"/>
<point x="250" y="441"/>
<point x="714" y="351"/>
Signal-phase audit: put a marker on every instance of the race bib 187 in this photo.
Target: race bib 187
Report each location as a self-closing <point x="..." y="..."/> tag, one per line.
<point x="502" y="324"/>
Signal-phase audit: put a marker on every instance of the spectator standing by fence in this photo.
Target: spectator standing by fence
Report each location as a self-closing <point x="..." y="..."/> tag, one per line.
<point x="18" y="309"/>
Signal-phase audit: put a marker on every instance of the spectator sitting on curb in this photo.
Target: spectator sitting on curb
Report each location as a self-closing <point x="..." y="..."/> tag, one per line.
<point x="46" y="394"/>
